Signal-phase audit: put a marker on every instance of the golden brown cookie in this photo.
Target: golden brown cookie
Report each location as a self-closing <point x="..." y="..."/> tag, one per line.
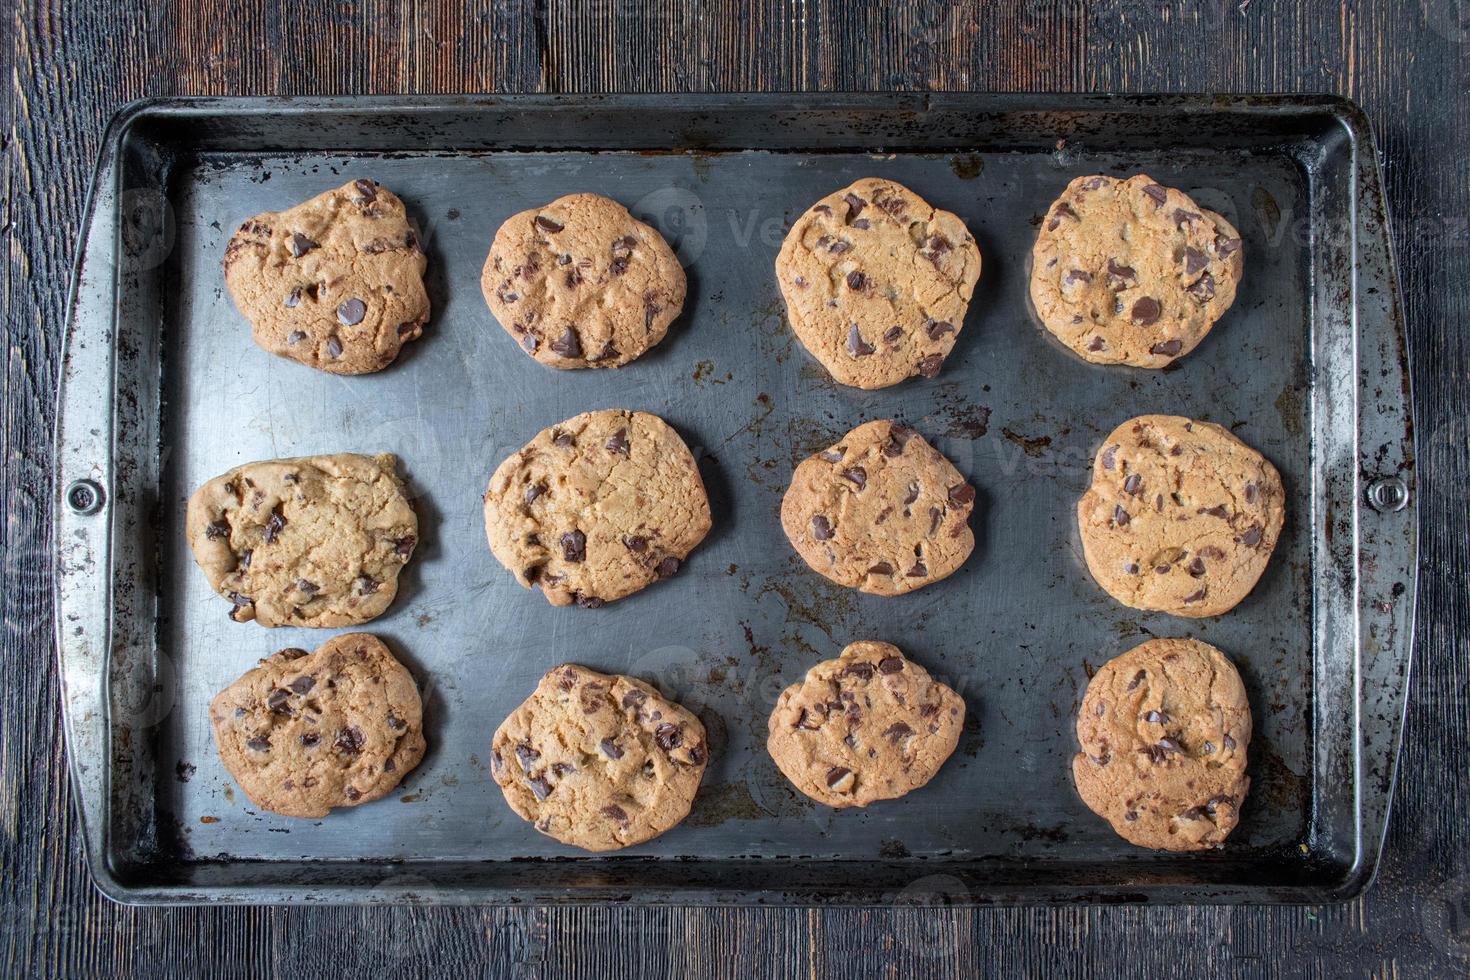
<point x="597" y="507"/>
<point x="1164" y="730"/>
<point x="881" y="511"/>
<point x="311" y="541"/>
<point x="303" y="733"/>
<point x="870" y="725"/>
<point x="1132" y="272"/>
<point x="1181" y="516"/>
<point x="336" y="282"/>
<point x="599" y="761"/>
<point x="876" y="282"/>
<point x="582" y="283"/>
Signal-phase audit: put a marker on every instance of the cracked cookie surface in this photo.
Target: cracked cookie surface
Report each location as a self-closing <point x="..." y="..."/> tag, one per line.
<point x="306" y="732"/>
<point x="881" y="511"/>
<point x="597" y="507"/>
<point x="336" y="282"/>
<point x="869" y="725"/>
<point x="1164" y="731"/>
<point x="581" y="283"/>
<point x="309" y="541"/>
<point x="1132" y="272"/>
<point x="599" y="761"/>
<point x="877" y="282"/>
<point x="1181" y="516"/>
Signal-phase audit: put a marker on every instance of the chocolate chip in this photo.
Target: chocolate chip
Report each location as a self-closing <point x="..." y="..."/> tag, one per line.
<point x="1147" y="311"/>
<point x="668" y="567"/>
<point x="548" y="224"/>
<point x="334" y="347"/>
<point x="1130" y="485"/>
<point x="856" y="475"/>
<point x="898" y="439"/>
<point x="1194" y="261"/>
<point x="668" y="737"/>
<point x="1168" y="348"/>
<point x="856" y="280"/>
<point x="890" y="665"/>
<point x="526" y="755"/>
<point x="840" y="778"/>
<point x="1121" y="276"/>
<point x="533" y="491"/>
<point x="351" y="311"/>
<point x="1195" y="568"/>
<point x="821" y="528"/>
<point x="938" y="328"/>
<point x="961" y="494"/>
<point x="1120" y="516"/>
<point x="856" y="345"/>
<point x="567" y="345"/>
<point x="403" y="547"/>
<point x="366" y="189"/>
<point x="619" y="442"/>
<point x="1156" y="193"/>
<point x="897" y="731"/>
<point x="261" y="744"/>
<point x="295" y="337"/>
<point x="882" y="568"/>
<point x="574" y="546"/>
<point x="273" y="527"/>
<point x="929" y="366"/>
<point x="350" y="740"/>
<point x="300" y="244"/>
<point x="1203" y="288"/>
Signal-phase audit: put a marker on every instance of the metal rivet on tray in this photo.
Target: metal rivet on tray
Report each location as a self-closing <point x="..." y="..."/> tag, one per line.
<point x="84" y="497"/>
<point x="1388" y="494"/>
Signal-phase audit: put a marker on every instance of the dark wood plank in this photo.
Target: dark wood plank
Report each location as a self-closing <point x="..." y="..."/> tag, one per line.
<point x="70" y="65"/>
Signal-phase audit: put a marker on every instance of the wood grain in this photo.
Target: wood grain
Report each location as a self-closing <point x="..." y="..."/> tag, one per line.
<point x="71" y="63"/>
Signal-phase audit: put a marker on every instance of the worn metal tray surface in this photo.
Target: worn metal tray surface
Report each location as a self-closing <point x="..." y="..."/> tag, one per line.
<point x="163" y="388"/>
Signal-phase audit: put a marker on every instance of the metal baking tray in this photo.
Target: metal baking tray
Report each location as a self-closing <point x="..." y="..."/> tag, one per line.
<point x="163" y="388"/>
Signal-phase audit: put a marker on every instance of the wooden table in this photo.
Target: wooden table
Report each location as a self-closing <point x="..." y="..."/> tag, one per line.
<point x="71" y="63"/>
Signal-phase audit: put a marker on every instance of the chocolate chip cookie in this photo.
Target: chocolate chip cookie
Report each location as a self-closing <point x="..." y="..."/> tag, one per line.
<point x="581" y="283"/>
<point x="312" y="541"/>
<point x="305" y="732"/>
<point x="597" y="507"/>
<point x="336" y="282"/>
<point x="1164" y="730"/>
<point x="870" y="725"/>
<point x="876" y="283"/>
<point x="599" y="761"/>
<point x="1132" y="272"/>
<point x="881" y="511"/>
<point x="1181" y="516"/>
